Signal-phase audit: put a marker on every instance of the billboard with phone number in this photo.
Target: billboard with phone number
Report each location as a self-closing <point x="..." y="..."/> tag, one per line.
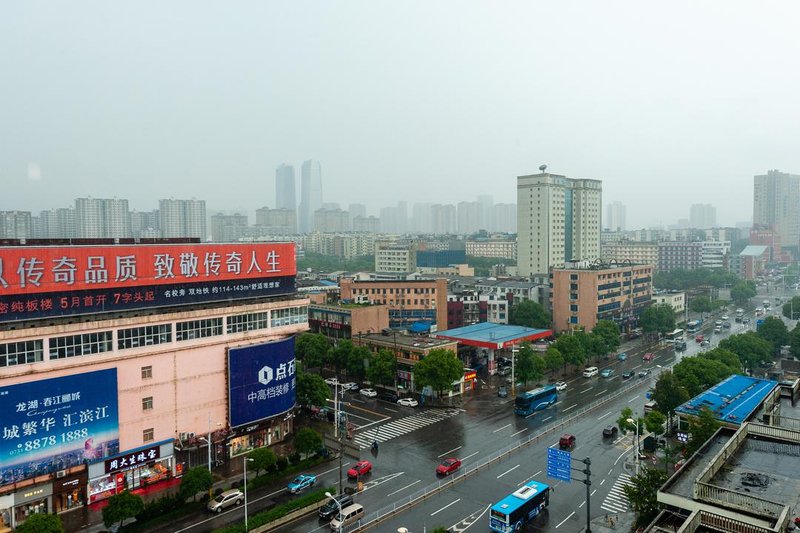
<point x="41" y="282"/>
<point x="54" y="424"/>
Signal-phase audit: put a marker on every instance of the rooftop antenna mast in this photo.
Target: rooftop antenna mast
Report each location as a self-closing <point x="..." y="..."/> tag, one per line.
<point x="542" y="168"/>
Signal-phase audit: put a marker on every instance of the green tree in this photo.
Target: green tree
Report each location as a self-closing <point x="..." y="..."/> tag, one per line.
<point x="593" y="345"/>
<point x="749" y="347"/>
<point x="775" y="332"/>
<point x="623" y="421"/>
<point x="358" y="363"/>
<point x="700" y="304"/>
<point x="794" y="341"/>
<point x="438" y="370"/>
<point x="553" y="359"/>
<point x="642" y="493"/>
<point x="311" y="390"/>
<point x="194" y="480"/>
<point x="332" y="263"/>
<point x="701" y="428"/>
<point x="571" y="349"/>
<point x="742" y="291"/>
<point x="120" y="507"/>
<point x="608" y="331"/>
<point x="529" y="365"/>
<point x="669" y="394"/>
<point x="529" y="314"/>
<point x="341" y="354"/>
<point x="307" y="441"/>
<point x="41" y="523"/>
<point x="383" y="368"/>
<point x="263" y="459"/>
<point x="659" y="318"/>
<point x="791" y="309"/>
<point x="726" y="357"/>
<point x="697" y="374"/>
<point x="312" y="349"/>
<point x="654" y="422"/>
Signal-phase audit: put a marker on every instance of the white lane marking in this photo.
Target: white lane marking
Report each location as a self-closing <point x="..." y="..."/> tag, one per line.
<point x="467" y="457"/>
<point x="392" y="410"/>
<point x="537" y="473"/>
<point x="587" y="388"/>
<point x="530" y="415"/>
<point x="592" y="494"/>
<point x="634" y="398"/>
<point x="558" y="402"/>
<point x="605" y="415"/>
<point x="570" y="407"/>
<point x="518" y="432"/>
<point x="582" y="504"/>
<point x="601" y="483"/>
<point x="446" y="506"/>
<point x="448" y="452"/>
<point x="404" y="488"/>
<point x="601" y="392"/>
<point x="567" y="518"/>
<point x="637" y="366"/>
<point x="502" y="428"/>
<point x="507" y="471"/>
<point x="546" y="419"/>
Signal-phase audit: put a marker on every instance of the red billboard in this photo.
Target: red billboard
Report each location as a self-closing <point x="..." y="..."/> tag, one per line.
<point x="37" y="282"/>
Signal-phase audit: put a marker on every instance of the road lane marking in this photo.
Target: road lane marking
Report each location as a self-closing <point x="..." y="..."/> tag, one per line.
<point x="601" y="392"/>
<point x="404" y="488"/>
<point x="592" y="494"/>
<point x="546" y="419"/>
<point x="467" y="457"/>
<point x="446" y="506"/>
<point x="558" y="402"/>
<point x="587" y="388"/>
<point x="448" y="452"/>
<point x="502" y="428"/>
<point x="567" y="518"/>
<point x="392" y="410"/>
<point x="570" y="407"/>
<point x="518" y="432"/>
<point x="467" y="522"/>
<point x="530" y="415"/>
<point x="507" y="471"/>
<point x="582" y="504"/>
<point x="605" y="415"/>
<point x="601" y="483"/>
<point x="634" y="398"/>
<point x="637" y="366"/>
<point x="537" y="473"/>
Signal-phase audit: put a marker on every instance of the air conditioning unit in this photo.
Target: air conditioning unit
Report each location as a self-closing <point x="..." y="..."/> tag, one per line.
<point x="190" y="435"/>
<point x="183" y="436"/>
<point x="61" y="473"/>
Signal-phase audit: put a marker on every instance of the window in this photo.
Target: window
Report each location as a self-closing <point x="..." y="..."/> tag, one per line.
<point x="147" y="372"/>
<point x="289" y="315"/>
<point x="247" y="322"/>
<point x="148" y="435"/>
<point x="147" y="403"/>
<point x="86" y="344"/>
<point x="144" y="336"/>
<point x="197" y="329"/>
<point x="21" y="353"/>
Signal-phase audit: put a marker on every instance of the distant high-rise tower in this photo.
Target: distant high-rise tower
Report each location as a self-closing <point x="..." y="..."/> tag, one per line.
<point x="102" y="218"/>
<point x="702" y="216"/>
<point x="615" y="216"/>
<point x="58" y="223"/>
<point x="284" y="187"/>
<point x="182" y="218"/>
<point x="558" y="220"/>
<point x="776" y="205"/>
<point x="310" y="193"/>
<point x="357" y="210"/>
<point x="16" y="225"/>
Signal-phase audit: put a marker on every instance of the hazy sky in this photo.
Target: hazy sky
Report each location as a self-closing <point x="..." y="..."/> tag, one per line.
<point x="668" y="103"/>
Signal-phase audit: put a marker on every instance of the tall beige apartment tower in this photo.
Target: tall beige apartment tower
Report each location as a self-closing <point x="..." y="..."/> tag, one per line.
<point x="558" y="220"/>
<point x="776" y="205"/>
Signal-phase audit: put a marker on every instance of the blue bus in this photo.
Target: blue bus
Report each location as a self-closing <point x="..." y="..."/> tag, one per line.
<point x="533" y="400"/>
<point x="693" y="326"/>
<point x="519" y="508"/>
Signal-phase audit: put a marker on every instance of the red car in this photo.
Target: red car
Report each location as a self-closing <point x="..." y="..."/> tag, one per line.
<point x="647" y="357"/>
<point x="698" y="338"/>
<point x="362" y="468"/>
<point x="448" y="466"/>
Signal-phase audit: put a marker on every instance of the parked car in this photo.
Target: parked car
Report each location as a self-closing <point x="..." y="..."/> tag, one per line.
<point x="560" y="385"/>
<point x="225" y="500"/>
<point x="629" y="374"/>
<point x="388" y="396"/>
<point x="644" y="373"/>
<point x="303" y="481"/>
<point x="448" y="466"/>
<point x="502" y="392"/>
<point x="332" y="381"/>
<point x="327" y="511"/>
<point x="369" y="393"/>
<point x="726" y="325"/>
<point x="648" y="357"/>
<point x="361" y="468"/>
<point x="724" y="318"/>
<point x="350" y="386"/>
<point x="610" y="432"/>
<point x="607" y="373"/>
<point x="622" y="356"/>
<point x="407" y="402"/>
<point x="566" y="442"/>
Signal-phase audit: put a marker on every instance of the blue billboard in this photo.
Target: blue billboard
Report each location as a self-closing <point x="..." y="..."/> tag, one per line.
<point x="261" y="381"/>
<point x="54" y="424"/>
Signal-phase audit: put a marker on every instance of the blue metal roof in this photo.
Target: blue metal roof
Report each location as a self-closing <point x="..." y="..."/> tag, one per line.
<point x="513" y="501"/>
<point x="733" y="400"/>
<point x="489" y="332"/>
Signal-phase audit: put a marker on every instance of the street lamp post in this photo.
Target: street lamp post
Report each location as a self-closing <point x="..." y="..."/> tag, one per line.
<point x="245" y="461"/>
<point x="631" y="421"/>
<point x="339" y="506"/>
<point x="513" y="369"/>
<point x="209" y="440"/>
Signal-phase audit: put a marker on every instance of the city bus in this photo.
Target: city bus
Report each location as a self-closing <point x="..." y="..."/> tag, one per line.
<point x="675" y="335"/>
<point x="519" y="507"/>
<point x="533" y="400"/>
<point x="693" y="326"/>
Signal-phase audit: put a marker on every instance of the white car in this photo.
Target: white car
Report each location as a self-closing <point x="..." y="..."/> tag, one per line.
<point x="724" y="317"/>
<point x="349" y="386"/>
<point x="332" y="381"/>
<point x="369" y="393"/>
<point x="561" y="385"/>
<point x="407" y="402"/>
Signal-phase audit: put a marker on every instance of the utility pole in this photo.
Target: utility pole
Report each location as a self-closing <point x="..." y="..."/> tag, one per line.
<point x="588" y="483"/>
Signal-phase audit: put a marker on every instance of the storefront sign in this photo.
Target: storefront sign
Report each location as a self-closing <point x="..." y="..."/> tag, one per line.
<point x="402" y="374"/>
<point x="470" y="375"/>
<point x="38" y="282"/>
<point x="261" y="380"/>
<point x="132" y="459"/>
<point x="33" y="494"/>
<point x="55" y="424"/>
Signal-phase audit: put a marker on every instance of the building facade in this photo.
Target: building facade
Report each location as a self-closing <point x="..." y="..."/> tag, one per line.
<point x="676" y="300"/>
<point x="228" y="228"/>
<point x="615" y="216"/>
<point x="277" y="221"/>
<point x="310" y="194"/>
<point x="640" y="253"/>
<point x="284" y="188"/>
<point x="362" y="224"/>
<point x="715" y="254"/>
<point x="395" y="257"/>
<point x="16" y="225"/>
<point x="102" y="218"/>
<point x="674" y="254"/>
<point x="58" y="223"/>
<point x="558" y="220"/>
<point x="182" y="218"/>
<point x="702" y="216"/>
<point x="776" y="205"/>
<point x="347" y="320"/>
<point x="408" y="301"/>
<point x="331" y="220"/>
<point x="581" y="297"/>
<point x="501" y="248"/>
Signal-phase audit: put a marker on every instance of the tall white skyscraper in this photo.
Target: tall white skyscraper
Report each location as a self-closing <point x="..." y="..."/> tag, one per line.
<point x="310" y="193"/>
<point x="421" y="221"/>
<point x="284" y="187"/>
<point x="702" y="216"/>
<point x="558" y="220"/>
<point x="487" y="203"/>
<point x="504" y="217"/>
<point x="102" y="218"/>
<point x="182" y="218"/>
<point x="58" y="223"/>
<point x="470" y="217"/>
<point x="357" y="210"/>
<point x="16" y="225"/>
<point x="444" y="218"/>
<point x="776" y="205"/>
<point x="615" y="216"/>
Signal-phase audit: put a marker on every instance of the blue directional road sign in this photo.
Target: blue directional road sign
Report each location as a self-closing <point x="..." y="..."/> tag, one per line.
<point x="559" y="464"/>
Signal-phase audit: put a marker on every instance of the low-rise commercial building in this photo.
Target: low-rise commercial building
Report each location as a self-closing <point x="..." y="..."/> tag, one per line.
<point x="409" y="301"/>
<point x="676" y="300"/>
<point x="678" y="254"/>
<point x="640" y="253"/>
<point x="346" y="320"/>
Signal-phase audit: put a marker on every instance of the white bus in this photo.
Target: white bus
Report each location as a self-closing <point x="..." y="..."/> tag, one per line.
<point x="675" y="335"/>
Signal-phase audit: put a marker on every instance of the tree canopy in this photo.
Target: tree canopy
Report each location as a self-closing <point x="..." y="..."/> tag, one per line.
<point x="642" y="493"/>
<point x="792" y="306"/>
<point x="194" y="480"/>
<point x="742" y="291"/>
<point x="669" y="393"/>
<point x="41" y="523"/>
<point x="553" y="359"/>
<point x="312" y="349"/>
<point x="529" y="365"/>
<point x="571" y="349"/>
<point x="307" y="441"/>
<point x="775" y="332"/>
<point x="438" y="370"/>
<point x="659" y="318"/>
<point x="120" y="507"/>
<point x="332" y="263"/>
<point x="529" y="314"/>
<point x="701" y="428"/>
<point x="680" y="279"/>
<point x="311" y="390"/>
<point x="749" y="347"/>
<point x="263" y="459"/>
<point x="700" y="304"/>
<point x="383" y="368"/>
<point x="608" y="331"/>
<point x="697" y="374"/>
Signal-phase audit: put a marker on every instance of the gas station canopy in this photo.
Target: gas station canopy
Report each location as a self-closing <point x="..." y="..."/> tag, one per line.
<point x="493" y="336"/>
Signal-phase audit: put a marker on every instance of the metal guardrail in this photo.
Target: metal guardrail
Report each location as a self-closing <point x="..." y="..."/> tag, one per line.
<point x="397" y="507"/>
<point x="719" y="523"/>
<point x="737" y="500"/>
<point x="775" y="432"/>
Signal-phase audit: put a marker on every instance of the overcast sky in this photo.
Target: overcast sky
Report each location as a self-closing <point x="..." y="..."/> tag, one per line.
<point x="427" y="101"/>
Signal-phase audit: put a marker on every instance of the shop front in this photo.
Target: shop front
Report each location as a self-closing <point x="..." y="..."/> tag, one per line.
<point x="258" y="435"/>
<point x="131" y="470"/>
<point x="69" y="492"/>
<point x="30" y="501"/>
<point x="6" y="508"/>
<point x="405" y="380"/>
<point x="470" y="379"/>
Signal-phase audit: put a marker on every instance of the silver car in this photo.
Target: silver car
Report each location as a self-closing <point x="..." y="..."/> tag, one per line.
<point x="227" y="499"/>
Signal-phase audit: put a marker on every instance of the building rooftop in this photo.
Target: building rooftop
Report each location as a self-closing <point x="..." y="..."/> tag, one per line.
<point x="491" y="335"/>
<point x="733" y="400"/>
<point x="405" y="341"/>
<point x="754" y="250"/>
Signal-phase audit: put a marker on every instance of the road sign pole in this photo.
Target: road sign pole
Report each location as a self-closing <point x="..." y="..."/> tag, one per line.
<point x="588" y="483"/>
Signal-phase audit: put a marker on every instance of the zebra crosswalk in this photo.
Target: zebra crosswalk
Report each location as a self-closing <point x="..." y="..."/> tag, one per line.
<point x="616" y="501"/>
<point x="401" y="426"/>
